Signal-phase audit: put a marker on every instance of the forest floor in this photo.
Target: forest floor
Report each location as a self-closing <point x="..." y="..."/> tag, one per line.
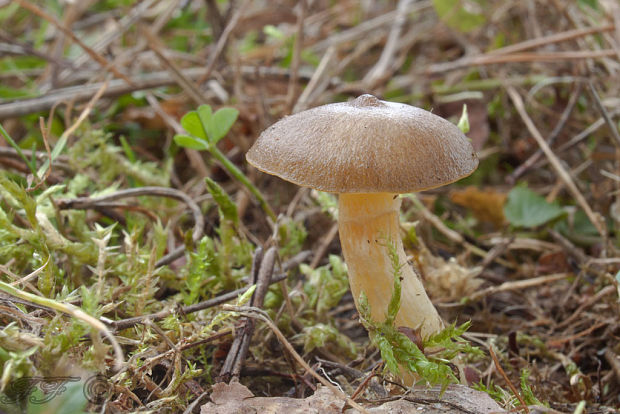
<point x="126" y="254"/>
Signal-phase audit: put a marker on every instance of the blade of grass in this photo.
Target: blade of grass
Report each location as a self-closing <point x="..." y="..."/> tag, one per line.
<point x="241" y="177"/>
<point x="17" y="149"/>
<point x="62" y="141"/>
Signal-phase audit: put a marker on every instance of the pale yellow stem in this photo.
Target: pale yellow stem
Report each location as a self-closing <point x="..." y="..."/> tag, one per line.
<point x="367" y="222"/>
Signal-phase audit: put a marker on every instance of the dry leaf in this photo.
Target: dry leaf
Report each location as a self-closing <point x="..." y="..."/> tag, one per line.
<point x="486" y="205"/>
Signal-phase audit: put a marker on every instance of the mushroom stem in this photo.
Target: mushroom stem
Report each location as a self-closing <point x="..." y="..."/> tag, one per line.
<point x="367" y="222"/>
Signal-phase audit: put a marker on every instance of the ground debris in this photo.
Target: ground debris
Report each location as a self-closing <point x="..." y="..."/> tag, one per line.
<point x="235" y="398"/>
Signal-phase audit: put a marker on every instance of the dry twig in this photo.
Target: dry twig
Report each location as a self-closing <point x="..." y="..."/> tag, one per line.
<point x="555" y="162"/>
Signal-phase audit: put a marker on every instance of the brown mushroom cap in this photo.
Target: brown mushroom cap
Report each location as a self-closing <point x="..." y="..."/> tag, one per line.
<point x="364" y="146"/>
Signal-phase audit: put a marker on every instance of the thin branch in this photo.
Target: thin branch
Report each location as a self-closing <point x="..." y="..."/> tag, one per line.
<point x="73" y="311"/>
<point x="221" y="42"/>
<point x="296" y="59"/>
<point x="490" y="59"/>
<point x="518" y="172"/>
<point x="517" y="285"/>
<point x="555" y="162"/>
<point x="510" y="384"/>
<point x="553" y="38"/>
<point x="107" y="66"/>
<point x="263" y="316"/>
<point x="191" y="89"/>
<point x="223" y="298"/>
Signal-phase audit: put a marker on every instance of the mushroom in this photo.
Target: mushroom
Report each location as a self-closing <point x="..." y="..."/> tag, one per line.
<point x="369" y="151"/>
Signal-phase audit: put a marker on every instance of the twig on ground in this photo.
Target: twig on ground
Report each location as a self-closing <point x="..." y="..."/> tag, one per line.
<point x="368" y="26"/>
<point x="488" y="59"/>
<point x="514" y="390"/>
<point x="296" y="59"/>
<point x="516" y="285"/>
<point x="262" y="272"/>
<point x="73" y="311"/>
<point x="221" y="42"/>
<point x="558" y="342"/>
<point x="191" y="89"/>
<point x="452" y="235"/>
<point x="553" y="38"/>
<point x="570" y="249"/>
<point x="117" y="87"/>
<point x="607" y="290"/>
<point x="62" y="141"/>
<point x="555" y="162"/>
<point x="225" y="297"/>
<point x="613" y="129"/>
<point x="318" y="82"/>
<point x="614" y="360"/>
<point x="521" y="169"/>
<point x="364" y="384"/>
<point x="218" y="300"/>
<point x="107" y="66"/>
<point x="263" y="316"/>
<point x="385" y="65"/>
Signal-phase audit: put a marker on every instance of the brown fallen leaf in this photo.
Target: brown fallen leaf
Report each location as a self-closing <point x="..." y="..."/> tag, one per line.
<point x="486" y="205"/>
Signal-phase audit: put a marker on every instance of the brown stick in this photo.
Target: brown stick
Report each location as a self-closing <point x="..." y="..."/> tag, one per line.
<point x="488" y="59"/>
<point x="191" y="89"/>
<point x="239" y="349"/>
<point x="554" y="38"/>
<point x="296" y="59"/>
<point x="517" y="285"/>
<point x="107" y="66"/>
<point x="225" y="297"/>
<point x="518" y="172"/>
<point x="555" y="162"/>
<point x="508" y="382"/>
<point x="221" y="42"/>
<point x="262" y="315"/>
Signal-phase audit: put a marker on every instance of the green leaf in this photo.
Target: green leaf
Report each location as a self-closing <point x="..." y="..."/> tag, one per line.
<point x="394" y="304"/>
<point x="363" y="307"/>
<point x="461" y="15"/>
<point x="464" y="121"/>
<point x="188" y="141"/>
<point x="70" y="400"/>
<point x="17" y="149"/>
<point x="191" y="122"/>
<point x="525" y="208"/>
<point x="205" y="115"/>
<point x="273" y="32"/>
<point x="220" y="124"/>
<point x="387" y="353"/>
<point x="227" y="207"/>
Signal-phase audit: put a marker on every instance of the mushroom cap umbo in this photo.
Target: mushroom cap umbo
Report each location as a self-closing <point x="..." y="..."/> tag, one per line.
<point x="365" y="146"/>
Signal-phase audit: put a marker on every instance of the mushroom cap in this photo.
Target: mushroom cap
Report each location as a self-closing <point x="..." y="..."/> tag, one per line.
<point x="365" y="146"/>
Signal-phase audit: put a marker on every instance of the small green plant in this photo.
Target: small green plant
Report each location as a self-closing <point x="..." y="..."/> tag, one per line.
<point x="399" y="351"/>
<point x="218" y="264"/>
<point x="497" y="393"/>
<point x="325" y="286"/>
<point x="205" y="129"/>
<point x="526" y="390"/>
